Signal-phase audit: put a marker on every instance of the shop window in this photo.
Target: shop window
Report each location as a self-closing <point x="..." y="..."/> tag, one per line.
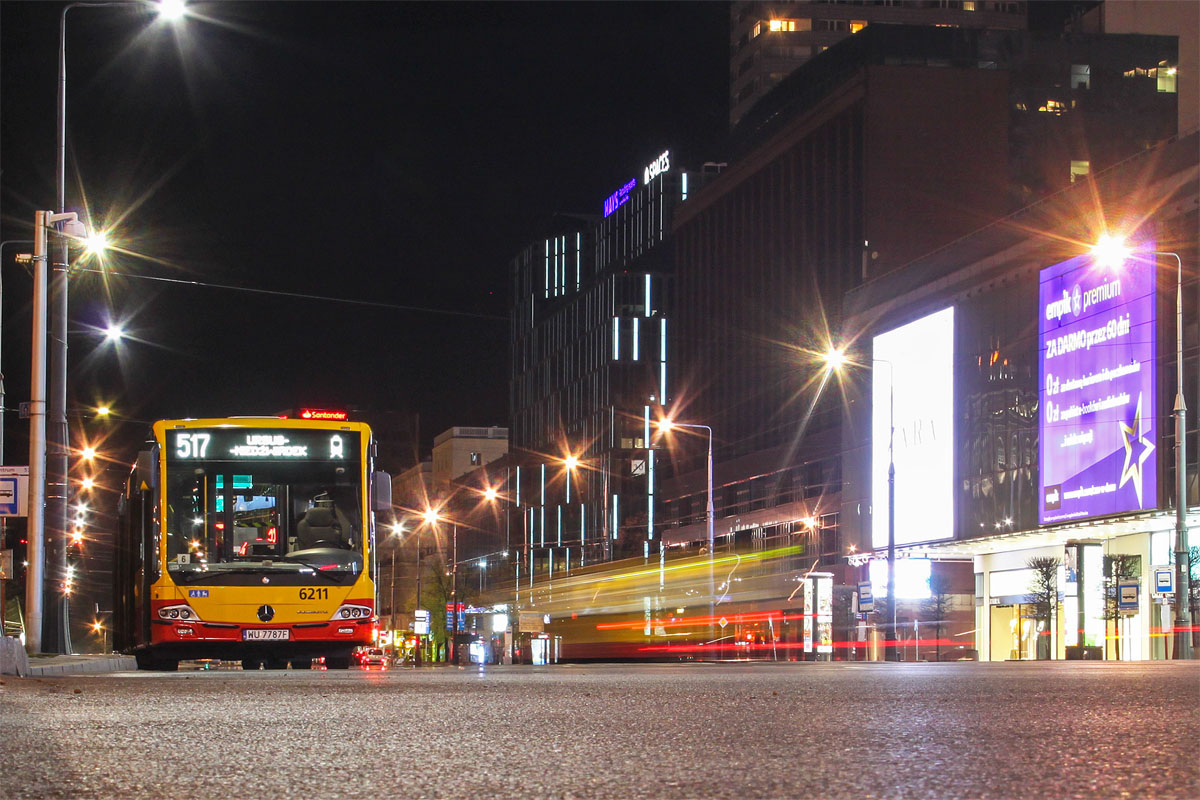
<point x="1079" y="169"/>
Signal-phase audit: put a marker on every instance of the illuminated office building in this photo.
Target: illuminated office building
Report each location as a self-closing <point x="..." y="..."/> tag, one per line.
<point x="589" y="332"/>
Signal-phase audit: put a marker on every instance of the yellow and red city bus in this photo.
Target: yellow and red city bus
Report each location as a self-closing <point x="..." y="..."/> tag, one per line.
<point x="249" y="539"/>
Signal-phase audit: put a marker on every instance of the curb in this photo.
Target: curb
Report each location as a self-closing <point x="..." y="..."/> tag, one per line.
<point x="88" y="666"/>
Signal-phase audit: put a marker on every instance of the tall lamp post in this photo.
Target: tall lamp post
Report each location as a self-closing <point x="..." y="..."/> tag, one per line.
<point x="35" y="576"/>
<point x="835" y="359"/>
<point x="397" y="532"/>
<point x="665" y="425"/>
<point x="1110" y="251"/>
<point x="56" y="456"/>
<point x="432" y="517"/>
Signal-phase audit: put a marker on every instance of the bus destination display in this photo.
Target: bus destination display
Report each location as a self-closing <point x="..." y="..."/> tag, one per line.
<point x="270" y="444"/>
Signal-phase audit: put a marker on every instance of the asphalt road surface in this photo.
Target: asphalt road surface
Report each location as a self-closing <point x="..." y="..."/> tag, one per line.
<point x="798" y="730"/>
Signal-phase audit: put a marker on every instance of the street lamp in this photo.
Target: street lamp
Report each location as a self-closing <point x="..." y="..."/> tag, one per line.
<point x="493" y="495"/>
<point x="56" y="457"/>
<point x="432" y="518"/>
<point x="70" y="227"/>
<point x="1111" y="251"/>
<point x="665" y="425"/>
<point x="835" y="359"/>
<point x="397" y="531"/>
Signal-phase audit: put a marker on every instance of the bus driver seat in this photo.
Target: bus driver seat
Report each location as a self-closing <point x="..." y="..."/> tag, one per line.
<point x="319" y="528"/>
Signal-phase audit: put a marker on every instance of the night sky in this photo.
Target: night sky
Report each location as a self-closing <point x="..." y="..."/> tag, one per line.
<point x="394" y="155"/>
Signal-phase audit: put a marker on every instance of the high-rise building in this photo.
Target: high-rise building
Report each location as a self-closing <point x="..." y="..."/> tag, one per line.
<point x="770" y="40"/>
<point x="589" y="332"/>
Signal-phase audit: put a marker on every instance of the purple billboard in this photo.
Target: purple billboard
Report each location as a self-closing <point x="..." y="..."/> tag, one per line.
<point x="1098" y="424"/>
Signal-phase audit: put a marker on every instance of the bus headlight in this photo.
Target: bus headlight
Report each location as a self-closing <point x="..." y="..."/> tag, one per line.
<point x="179" y="612"/>
<point x="352" y="612"/>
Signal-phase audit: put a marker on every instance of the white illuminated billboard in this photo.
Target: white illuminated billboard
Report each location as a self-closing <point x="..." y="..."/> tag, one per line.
<point x="919" y="358"/>
<point x="912" y="578"/>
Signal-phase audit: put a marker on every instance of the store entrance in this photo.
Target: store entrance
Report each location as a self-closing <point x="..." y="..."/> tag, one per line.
<point x="1016" y="632"/>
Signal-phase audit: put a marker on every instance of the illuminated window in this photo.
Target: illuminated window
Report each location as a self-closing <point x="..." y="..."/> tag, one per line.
<point x="1056" y="107"/>
<point x="1166" y="77"/>
<point x="1079" y="169"/>
<point x="790" y="25"/>
<point x="756" y="30"/>
<point x="857" y="25"/>
<point x="968" y="5"/>
<point x="1081" y="76"/>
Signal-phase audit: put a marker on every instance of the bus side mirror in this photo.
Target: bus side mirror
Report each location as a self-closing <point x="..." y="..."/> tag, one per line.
<point x="381" y="491"/>
<point x="147" y="474"/>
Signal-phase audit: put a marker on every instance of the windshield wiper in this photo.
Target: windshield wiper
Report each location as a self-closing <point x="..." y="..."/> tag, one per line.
<point x="323" y="571"/>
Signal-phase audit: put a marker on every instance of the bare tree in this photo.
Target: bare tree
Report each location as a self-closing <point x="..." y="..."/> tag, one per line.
<point x="938" y="605"/>
<point x="1043" y="596"/>
<point x="1117" y="569"/>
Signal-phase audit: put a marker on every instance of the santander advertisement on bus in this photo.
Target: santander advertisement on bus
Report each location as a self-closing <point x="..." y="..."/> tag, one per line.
<point x="1098" y="424"/>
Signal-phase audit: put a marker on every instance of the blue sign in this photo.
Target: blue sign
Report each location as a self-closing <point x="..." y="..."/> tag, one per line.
<point x="197" y="592"/>
<point x="619" y="197"/>
<point x="866" y="603"/>
<point x="9" y="495"/>
<point x="1099" y="415"/>
<point x="1164" y="581"/>
<point x="1127" y="596"/>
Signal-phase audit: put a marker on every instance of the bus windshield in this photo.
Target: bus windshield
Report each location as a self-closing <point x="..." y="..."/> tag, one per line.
<point x="284" y="516"/>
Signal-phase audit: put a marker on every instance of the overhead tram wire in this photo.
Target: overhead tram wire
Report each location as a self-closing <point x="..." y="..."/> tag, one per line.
<point x="300" y="295"/>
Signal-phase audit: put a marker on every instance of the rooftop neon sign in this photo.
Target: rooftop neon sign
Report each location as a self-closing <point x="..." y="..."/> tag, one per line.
<point x="619" y="197"/>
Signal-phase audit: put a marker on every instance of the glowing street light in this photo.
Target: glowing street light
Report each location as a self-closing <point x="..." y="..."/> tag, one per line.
<point x="99" y="630"/>
<point x="666" y="424"/>
<point x="1112" y="252"/>
<point x="172" y="10"/>
<point x="55" y="455"/>
<point x="432" y="518"/>
<point x="95" y="243"/>
<point x="835" y="359"/>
